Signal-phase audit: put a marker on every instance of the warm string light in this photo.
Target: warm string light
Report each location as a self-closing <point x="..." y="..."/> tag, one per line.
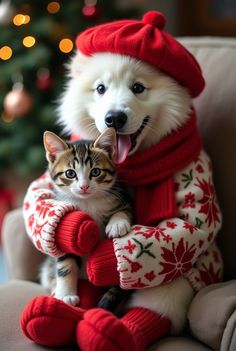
<point x="66" y="45"/>
<point x="53" y="7"/>
<point x="20" y="19"/>
<point x="5" y="53"/>
<point x="29" y="41"/>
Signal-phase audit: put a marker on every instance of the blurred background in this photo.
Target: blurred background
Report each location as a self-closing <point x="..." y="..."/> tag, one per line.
<point x="36" y="41"/>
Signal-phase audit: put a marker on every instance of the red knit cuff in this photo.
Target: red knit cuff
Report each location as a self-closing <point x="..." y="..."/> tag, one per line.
<point x="77" y="233"/>
<point x="102" y="265"/>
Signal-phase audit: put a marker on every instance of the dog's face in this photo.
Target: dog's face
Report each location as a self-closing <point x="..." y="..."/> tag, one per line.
<point x="111" y="90"/>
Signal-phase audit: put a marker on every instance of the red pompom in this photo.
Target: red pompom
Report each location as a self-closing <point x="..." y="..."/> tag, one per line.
<point x="154" y="18"/>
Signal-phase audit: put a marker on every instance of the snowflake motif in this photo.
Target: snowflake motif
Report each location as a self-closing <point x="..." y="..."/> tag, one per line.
<point x="177" y="261"/>
<point x="189" y="200"/>
<point x="135" y="266"/>
<point x="171" y="225"/>
<point x="208" y="207"/>
<point x="43" y="208"/>
<point x="150" y="276"/>
<point x="167" y="238"/>
<point x="209" y="276"/>
<point x="38" y="229"/>
<point x="129" y="247"/>
<point x="190" y="227"/>
<point x="199" y="168"/>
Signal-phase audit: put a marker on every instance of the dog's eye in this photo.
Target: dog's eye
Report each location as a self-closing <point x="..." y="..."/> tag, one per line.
<point x="138" y="88"/>
<point x="70" y="173"/>
<point x="101" y="89"/>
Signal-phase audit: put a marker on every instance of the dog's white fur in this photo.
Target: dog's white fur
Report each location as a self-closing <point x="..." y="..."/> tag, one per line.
<point x="82" y="111"/>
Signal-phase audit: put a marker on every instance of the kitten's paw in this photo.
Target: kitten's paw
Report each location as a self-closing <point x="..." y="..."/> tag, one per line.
<point x="72" y="300"/>
<point x="117" y="228"/>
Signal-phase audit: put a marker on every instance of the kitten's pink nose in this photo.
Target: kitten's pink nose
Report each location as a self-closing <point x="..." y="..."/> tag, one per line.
<point x="84" y="187"/>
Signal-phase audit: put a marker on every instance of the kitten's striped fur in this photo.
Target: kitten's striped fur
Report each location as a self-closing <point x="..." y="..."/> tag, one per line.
<point x="84" y="173"/>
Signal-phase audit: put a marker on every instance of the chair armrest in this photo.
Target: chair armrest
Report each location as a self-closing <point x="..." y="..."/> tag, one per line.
<point x="21" y="257"/>
<point x="212" y="316"/>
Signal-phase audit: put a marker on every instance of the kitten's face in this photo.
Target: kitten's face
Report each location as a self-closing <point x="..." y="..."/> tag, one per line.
<point x="82" y="170"/>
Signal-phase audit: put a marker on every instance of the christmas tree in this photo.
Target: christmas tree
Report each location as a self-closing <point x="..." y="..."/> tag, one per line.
<point x="36" y="40"/>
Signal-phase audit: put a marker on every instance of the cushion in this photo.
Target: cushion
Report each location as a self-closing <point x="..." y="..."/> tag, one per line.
<point x="216" y="108"/>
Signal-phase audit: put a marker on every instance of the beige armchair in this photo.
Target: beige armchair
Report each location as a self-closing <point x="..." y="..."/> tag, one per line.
<point x="212" y="314"/>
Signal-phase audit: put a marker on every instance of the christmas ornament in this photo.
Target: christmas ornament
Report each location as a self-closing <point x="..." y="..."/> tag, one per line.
<point x="18" y="102"/>
<point x="91" y="13"/>
<point x="6" y="12"/>
<point x="44" y="80"/>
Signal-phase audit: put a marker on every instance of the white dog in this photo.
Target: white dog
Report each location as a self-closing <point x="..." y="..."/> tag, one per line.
<point x="147" y="103"/>
<point x="144" y="105"/>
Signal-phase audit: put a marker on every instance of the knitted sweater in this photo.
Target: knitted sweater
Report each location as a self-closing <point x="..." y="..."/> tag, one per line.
<point x="147" y="256"/>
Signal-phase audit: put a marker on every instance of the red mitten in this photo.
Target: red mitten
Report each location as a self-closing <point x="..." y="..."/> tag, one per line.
<point x="100" y="330"/>
<point x="77" y="233"/>
<point x="102" y="265"/>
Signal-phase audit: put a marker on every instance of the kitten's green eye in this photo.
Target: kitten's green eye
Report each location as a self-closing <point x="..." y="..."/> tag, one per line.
<point x="95" y="172"/>
<point x="70" y="173"/>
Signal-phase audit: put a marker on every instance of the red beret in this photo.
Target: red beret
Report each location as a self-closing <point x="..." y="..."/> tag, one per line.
<point x="145" y="40"/>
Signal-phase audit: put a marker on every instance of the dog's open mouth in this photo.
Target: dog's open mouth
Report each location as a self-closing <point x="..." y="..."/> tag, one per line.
<point x="127" y="142"/>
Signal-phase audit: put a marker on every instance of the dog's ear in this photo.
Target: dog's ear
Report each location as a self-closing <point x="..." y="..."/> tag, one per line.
<point x="107" y="142"/>
<point x="54" y="145"/>
<point x="76" y="64"/>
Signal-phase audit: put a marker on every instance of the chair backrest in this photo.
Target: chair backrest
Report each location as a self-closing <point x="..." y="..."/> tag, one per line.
<point x="216" y="109"/>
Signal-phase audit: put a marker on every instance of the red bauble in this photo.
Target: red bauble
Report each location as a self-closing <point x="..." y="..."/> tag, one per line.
<point x="44" y="80"/>
<point x="91" y="12"/>
<point x="18" y="103"/>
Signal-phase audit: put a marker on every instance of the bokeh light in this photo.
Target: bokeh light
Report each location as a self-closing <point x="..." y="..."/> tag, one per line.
<point x="53" y="7"/>
<point x="5" y="53"/>
<point x="66" y="45"/>
<point x="29" y="41"/>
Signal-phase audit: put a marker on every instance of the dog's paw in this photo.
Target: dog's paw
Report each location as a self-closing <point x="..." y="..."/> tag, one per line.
<point x="117" y="227"/>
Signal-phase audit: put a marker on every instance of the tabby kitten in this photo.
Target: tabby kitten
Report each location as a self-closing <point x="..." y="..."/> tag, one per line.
<point x="84" y="173"/>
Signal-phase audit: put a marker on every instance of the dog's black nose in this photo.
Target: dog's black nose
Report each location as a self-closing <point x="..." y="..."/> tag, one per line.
<point x="115" y="119"/>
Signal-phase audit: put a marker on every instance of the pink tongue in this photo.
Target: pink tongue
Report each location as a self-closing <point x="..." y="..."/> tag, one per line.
<point x="123" y="147"/>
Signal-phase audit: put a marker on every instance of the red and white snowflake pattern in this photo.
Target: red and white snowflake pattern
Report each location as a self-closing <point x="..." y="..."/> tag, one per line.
<point x="42" y="214"/>
<point x="177" y="246"/>
<point x="148" y="256"/>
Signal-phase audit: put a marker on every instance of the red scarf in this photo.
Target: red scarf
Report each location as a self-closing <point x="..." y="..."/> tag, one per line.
<point x="151" y="173"/>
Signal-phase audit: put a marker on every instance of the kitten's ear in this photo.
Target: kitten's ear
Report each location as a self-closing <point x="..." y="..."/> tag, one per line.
<point x="107" y="141"/>
<point x="54" y="145"/>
